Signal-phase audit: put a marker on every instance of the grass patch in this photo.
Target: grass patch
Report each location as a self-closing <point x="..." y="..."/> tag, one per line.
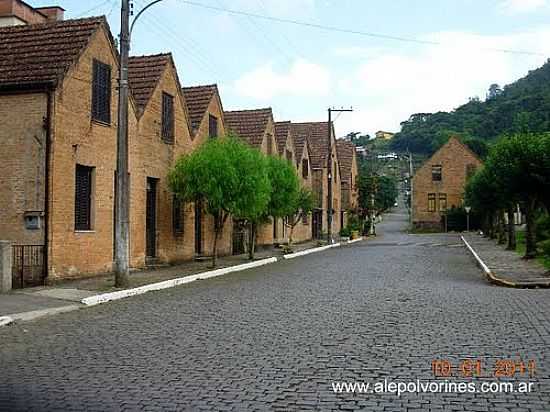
<point x="520" y="249"/>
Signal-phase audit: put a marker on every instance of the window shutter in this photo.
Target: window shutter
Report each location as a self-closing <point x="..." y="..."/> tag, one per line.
<point x="83" y="197"/>
<point x="101" y="92"/>
<point x="167" y="118"/>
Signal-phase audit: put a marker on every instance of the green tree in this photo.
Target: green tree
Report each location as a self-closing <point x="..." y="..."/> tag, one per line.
<point x="227" y="176"/>
<point x="303" y="207"/>
<point x="284" y="192"/>
<point x="521" y="166"/>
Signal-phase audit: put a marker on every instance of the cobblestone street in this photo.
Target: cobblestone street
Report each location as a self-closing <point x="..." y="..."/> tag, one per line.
<point x="276" y="337"/>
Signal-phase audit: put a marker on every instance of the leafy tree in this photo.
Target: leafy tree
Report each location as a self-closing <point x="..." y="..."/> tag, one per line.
<point x="382" y="188"/>
<point x="494" y="91"/>
<point x="227" y="176"/>
<point x="303" y="206"/>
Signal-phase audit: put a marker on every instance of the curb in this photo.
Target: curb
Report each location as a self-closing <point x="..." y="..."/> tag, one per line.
<point x="5" y="320"/>
<point x="497" y="280"/>
<point x="360" y="238"/>
<point x="121" y="294"/>
<point x="308" y="251"/>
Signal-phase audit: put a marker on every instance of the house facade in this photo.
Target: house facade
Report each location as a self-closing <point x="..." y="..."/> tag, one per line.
<point x="317" y="135"/>
<point x="348" y="179"/>
<point x="439" y="183"/>
<point x="257" y="128"/>
<point x="205" y="110"/>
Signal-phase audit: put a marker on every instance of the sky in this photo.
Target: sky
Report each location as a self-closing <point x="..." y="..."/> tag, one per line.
<point x="300" y="71"/>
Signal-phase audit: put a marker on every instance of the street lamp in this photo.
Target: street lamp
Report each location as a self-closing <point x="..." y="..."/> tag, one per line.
<point x="467" y="209"/>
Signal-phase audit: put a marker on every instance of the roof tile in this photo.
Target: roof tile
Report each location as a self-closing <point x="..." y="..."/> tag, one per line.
<point x="144" y="72"/>
<point x="42" y="53"/>
<point x="197" y="99"/>
<point x="249" y="124"/>
<point x="346" y="153"/>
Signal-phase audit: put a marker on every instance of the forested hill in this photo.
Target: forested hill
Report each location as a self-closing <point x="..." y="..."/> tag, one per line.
<point x="521" y="106"/>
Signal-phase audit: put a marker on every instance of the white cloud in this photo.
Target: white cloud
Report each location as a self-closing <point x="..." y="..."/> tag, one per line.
<point x="302" y="79"/>
<point x="393" y="85"/>
<point x="522" y="6"/>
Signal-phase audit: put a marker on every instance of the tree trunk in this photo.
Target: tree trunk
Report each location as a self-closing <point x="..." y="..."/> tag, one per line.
<point x="251" y="240"/>
<point x="530" y="241"/>
<point x="492" y="232"/>
<point x="511" y="245"/>
<point x="501" y="228"/>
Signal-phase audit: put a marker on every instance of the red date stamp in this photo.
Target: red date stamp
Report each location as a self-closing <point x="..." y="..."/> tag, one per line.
<point x="476" y="368"/>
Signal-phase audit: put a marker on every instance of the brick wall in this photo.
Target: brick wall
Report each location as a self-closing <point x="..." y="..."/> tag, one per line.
<point x="302" y="232"/>
<point x="454" y="158"/>
<point x="79" y="140"/>
<point x="265" y="232"/>
<point x="22" y="165"/>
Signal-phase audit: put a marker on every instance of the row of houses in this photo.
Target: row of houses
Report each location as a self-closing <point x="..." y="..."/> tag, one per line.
<point x="58" y="105"/>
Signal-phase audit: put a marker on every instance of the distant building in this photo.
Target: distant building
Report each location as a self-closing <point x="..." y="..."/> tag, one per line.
<point x="384" y="135"/>
<point x="440" y="181"/>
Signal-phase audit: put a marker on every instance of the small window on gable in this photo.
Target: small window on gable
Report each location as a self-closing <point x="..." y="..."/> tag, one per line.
<point x="436" y="173"/>
<point x="305" y="168"/>
<point x="288" y="155"/>
<point x="212" y="126"/>
<point x="101" y="92"/>
<point x="167" y="118"/>
<point x="269" y="145"/>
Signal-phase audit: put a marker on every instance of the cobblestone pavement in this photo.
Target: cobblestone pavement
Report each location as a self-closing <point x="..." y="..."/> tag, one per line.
<point x="276" y="337"/>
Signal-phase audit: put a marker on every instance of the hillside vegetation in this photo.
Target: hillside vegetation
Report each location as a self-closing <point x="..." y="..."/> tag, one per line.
<point x="523" y="106"/>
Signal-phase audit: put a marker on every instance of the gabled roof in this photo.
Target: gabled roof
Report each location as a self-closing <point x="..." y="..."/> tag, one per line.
<point x="299" y="135"/>
<point x="282" y="131"/>
<point x="197" y="99"/>
<point x="317" y="137"/>
<point x="144" y="73"/>
<point x="41" y="54"/>
<point x="249" y="124"/>
<point x="346" y="153"/>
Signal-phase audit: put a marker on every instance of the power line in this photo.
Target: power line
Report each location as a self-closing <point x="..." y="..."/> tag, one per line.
<point x="347" y="31"/>
<point x="96" y="7"/>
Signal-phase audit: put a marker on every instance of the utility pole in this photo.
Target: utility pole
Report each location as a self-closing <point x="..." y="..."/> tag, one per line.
<point x="122" y="195"/>
<point x="329" y="172"/>
<point x="411" y="172"/>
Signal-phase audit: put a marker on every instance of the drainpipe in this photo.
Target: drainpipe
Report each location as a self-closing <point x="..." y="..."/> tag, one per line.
<point x="49" y="122"/>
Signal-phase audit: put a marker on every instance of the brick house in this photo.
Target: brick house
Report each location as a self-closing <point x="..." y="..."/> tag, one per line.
<point x="257" y="128"/>
<point x="317" y="134"/>
<point x="19" y="13"/>
<point x="348" y="179"/>
<point x="205" y="110"/>
<point x="161" y="228"/>
<point x="303" y="230"/>
<point x="59" y="111"/>
<point x="439" y="183"/>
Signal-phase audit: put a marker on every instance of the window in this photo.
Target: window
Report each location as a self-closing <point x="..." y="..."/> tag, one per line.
<point x="101" y="92"/>
<point x="431" y="202"/>
<point x="212" y="126"/>
<point x="305" y="219"/>
<point x="436" y="173"/>
<point x="177" y="216"/>
<point x="289" y="155"/>
<point x="305" y="168"/>
<point x="167" y="118"/>
<point x="442" y="202"/>
<point x="83" y="197"/>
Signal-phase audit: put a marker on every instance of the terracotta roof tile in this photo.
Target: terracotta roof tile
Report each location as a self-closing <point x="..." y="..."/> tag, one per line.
<point x="316" y="134"/>
<point x="144" y="73"/>
<point x="249" y="124"/>
<point x="346" y="153"/>
<point x="282" y="131"/>
<point x="42" y="53"/>
<point x="197" y="99"/>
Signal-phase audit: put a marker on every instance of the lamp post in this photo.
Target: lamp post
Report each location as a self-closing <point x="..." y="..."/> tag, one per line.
<point x="467" y="209"/>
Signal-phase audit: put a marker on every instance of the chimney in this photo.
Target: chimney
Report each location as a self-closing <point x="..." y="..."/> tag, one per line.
<point x="54" y="13"/>
<point x="17" y="12"/>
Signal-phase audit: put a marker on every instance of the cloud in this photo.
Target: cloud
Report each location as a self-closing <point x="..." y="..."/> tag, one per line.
<point x="302" y="79"/>
<point x="522" y="6"/>
<point x="388" y="88"/>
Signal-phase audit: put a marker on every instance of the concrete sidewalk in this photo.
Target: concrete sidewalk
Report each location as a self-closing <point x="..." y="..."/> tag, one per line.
<point x="506" y="267"/>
